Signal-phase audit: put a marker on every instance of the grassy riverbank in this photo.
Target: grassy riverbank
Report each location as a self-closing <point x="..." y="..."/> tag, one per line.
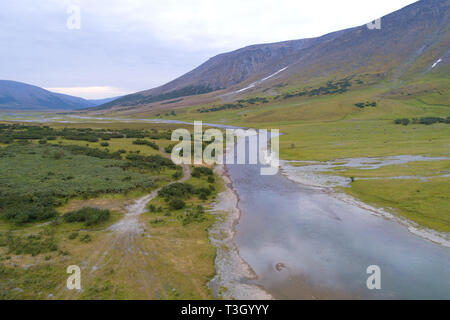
<point x="424" y="202"/>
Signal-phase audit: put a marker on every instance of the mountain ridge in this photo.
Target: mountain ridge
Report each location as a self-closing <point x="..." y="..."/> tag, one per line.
<point x="22" y="96"/>
<point x="409" y="42"/>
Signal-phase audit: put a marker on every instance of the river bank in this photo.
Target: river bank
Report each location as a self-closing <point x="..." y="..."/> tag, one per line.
<point x="312" y="175"/>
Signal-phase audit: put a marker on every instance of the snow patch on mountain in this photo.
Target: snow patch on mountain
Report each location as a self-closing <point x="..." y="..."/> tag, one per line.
<point x="436" y="63"/>
<point x="254" y="84"/>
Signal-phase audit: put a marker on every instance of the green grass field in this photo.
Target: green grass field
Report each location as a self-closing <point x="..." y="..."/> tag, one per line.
<point x="424" y="202"/>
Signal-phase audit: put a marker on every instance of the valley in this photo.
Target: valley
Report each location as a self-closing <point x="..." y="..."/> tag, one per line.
<point x="399" y="197"/>
<point x="362" y="183"/>
<point x="331" y="127"/>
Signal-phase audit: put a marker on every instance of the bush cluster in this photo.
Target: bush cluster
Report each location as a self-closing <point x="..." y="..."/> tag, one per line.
<point x="90" y="216"/>
<point x="332" y="87"/>
<point x="153" y="162"/>
<point x="180" y="190"/>
<point x="193" y="215"/>
<point x="9" y="133"/>
<point x="238" y="105"/>
<point x="33" y="194"/>
<point x="33" y="244"/>
<point x="365" y="104"/>
<point x="22" y="209"/>
<point x="200" y="171"/>
<point x="423" y="120"/>
<point x="147" y="143"/>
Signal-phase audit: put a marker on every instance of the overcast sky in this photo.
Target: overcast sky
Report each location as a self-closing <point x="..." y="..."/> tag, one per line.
<point x="124" y="46"/>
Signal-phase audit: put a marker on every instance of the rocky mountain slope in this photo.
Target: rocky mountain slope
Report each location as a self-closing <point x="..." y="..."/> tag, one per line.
<point x="411" y="42"/>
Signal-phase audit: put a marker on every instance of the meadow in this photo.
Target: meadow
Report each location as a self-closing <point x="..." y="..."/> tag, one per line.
<point x="89" y="186"/>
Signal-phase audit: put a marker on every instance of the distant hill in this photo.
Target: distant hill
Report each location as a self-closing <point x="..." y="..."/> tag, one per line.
<point x="22" y="96"/>
<point x="409" y="44"/>
<point x="97" y="102"/>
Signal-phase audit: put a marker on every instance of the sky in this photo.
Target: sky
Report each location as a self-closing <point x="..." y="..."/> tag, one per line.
<point x="105" y="48"/>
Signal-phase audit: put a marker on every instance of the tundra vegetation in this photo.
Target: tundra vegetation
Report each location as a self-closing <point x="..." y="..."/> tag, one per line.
<point x="62" y="187"/>
<point x="186" y="202"/>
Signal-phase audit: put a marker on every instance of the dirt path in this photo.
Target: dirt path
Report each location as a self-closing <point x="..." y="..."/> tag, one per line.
<point x="122" y="251"/>
<point x="130" y="222"/>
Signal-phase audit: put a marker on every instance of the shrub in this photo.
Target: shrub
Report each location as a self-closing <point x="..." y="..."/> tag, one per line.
<point x="169" y="148"/>
<point x="22" y="210"/>
<point x="431" y="120"/>
<point x="90" y="216"/>
<point x="147" y="143"/>
<point x="96" y="153"/>
<point x="6" y="140"/>
<point x="424" y="120"/>
<point x="104" y="144"/>
<point x="199" y="171"/>
<point x="73" y="235"/>
<point x="32" y="244"/>
<point x="85" y="238"/>
<point x="155" y="162"/>
<point x="203" y="193"/>
<point x="176" y="190"/>
<point x="196" y="215"/>
<point x="176" y="204"/>
<point x="156" y="221"/>
<point x="403" y="121"/>
<point x="177" y="175"/>
<point x="57" y="155"/>
<point x="365" y="104"/>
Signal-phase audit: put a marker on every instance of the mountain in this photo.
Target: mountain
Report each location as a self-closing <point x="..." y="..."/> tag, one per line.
<point x="98" y="102"/>
<point x="22" y="96"/>
<point x="412" y="42"/>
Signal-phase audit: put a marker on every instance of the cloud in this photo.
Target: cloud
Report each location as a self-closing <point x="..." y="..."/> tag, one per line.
<point x="91" y="92"/>
<point x="139" y="44"/>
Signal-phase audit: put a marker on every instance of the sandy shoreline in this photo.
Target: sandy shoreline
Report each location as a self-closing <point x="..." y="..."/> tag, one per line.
<point x="231" y="270"/>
